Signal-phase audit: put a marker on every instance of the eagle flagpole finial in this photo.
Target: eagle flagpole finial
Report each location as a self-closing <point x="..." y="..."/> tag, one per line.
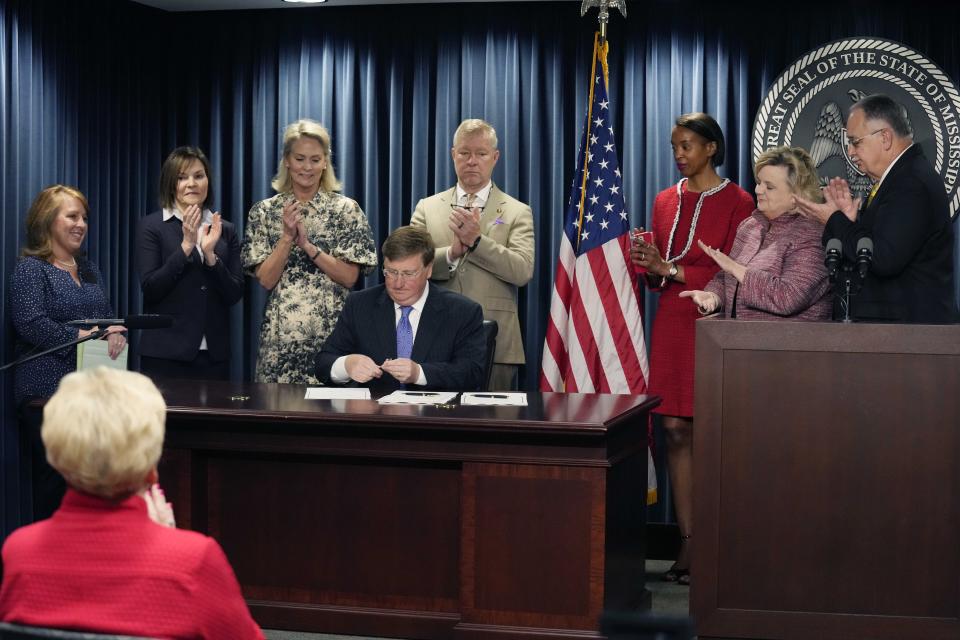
<point x="604" y="17"/>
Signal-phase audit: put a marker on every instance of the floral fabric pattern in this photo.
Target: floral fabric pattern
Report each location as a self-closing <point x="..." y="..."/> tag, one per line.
<point x="303" y="308"/>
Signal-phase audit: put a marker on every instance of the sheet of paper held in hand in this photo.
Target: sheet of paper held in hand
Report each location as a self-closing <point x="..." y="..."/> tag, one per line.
<point x="418" y="397"/>
<point x="93" y="353"/>
<point x="337" y="393"/>
<point x="503" y="399"/>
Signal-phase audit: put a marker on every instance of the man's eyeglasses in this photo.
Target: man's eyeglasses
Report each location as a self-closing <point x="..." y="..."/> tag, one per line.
<point x="393" y="274"/>
<point x="855" y="142"/>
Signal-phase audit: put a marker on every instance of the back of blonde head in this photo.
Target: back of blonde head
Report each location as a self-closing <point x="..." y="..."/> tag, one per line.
<point x="103" y="431"/>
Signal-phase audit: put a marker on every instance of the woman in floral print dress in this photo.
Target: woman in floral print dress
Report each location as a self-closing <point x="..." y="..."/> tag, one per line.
<point x="307" y="246"/>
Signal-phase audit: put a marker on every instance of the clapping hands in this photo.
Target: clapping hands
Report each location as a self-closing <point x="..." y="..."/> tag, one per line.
<point x="159" y="510"/>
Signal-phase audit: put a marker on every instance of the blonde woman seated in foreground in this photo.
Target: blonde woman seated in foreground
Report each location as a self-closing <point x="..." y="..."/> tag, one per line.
<point x="110" y="559"/>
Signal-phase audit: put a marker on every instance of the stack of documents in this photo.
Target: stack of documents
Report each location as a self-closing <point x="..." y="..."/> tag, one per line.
<point x="337" y="393"/>
<point x="418" y="397"/>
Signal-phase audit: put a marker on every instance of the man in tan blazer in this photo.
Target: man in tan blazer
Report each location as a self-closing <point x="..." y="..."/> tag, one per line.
<point x="484" y="241"/>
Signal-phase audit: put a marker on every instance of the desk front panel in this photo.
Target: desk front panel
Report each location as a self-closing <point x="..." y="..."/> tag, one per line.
<point x="418" y="521"/>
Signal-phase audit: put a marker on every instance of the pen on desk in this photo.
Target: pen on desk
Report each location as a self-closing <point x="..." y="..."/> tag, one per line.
<point x="502" y="396"/>
<point x="420" y="393"/>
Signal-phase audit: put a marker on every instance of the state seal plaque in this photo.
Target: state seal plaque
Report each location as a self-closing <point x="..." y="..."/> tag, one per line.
<point x="807" y="106"/>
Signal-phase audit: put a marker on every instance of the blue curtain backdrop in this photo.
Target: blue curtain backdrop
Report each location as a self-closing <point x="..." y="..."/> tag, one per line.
<point x="95" y="93"/>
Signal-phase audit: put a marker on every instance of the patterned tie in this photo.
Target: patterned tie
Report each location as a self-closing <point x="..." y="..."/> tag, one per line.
<point x="873" y="192"/>
<point x="471" y="198"/>
<point x="404" y="334"/>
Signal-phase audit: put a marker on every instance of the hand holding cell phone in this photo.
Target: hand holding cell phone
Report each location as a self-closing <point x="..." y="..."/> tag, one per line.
<point x="639" y="249"/>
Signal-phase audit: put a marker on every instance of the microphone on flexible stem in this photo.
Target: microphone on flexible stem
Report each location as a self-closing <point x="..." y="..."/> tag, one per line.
<point x="145" y="321"/>
<point x="834" y="254"/>
<point x="864" y="256"/>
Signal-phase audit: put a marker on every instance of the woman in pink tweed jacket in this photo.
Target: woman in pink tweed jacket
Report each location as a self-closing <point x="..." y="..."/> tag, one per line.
<point x="775" y="269"/>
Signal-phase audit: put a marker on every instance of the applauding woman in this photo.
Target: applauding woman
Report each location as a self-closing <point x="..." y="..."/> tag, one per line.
<point x="189" y="264"/>
<point x="307" y="245"/>
<point x="111" y="559"/>
<point x="775" y="270"/>
<point x="53" y="284"/>
<point x="702" y="206"/>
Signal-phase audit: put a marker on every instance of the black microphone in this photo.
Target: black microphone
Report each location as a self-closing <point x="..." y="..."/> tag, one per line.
<point x="146" y="321"/>
<point x="864" y="256"/>
<point x="834" y="254"/>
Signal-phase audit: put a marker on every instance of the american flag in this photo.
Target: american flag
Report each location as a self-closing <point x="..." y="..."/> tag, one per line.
<point x="594" y="341"/>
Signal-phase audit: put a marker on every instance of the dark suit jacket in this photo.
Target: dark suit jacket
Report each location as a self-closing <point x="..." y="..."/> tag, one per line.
<point x="197" y="296"/>
<point x="449" y="346"/>
<point x="911" y="278"/>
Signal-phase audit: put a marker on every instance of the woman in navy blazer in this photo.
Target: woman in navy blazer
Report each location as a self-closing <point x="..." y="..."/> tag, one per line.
<point x="189" y="264"/>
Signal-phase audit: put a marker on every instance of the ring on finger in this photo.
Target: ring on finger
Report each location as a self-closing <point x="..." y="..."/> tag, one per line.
<point x="460" y="225"/>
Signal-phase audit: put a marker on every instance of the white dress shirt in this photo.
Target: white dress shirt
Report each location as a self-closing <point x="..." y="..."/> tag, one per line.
<point x="479" y="201"/>
<point x="338" y="372"/>
<point x="205" y="218"/>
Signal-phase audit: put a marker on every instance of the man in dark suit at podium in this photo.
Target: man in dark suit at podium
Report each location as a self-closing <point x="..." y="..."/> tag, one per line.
<point x="906" y="216"/>
<point x="407" y="331"/>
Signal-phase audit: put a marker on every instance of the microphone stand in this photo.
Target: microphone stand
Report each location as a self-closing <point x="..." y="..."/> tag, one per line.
<point x="93" y="336"/>
<point x="845" y="302"/>
<point x="848" y="273"/>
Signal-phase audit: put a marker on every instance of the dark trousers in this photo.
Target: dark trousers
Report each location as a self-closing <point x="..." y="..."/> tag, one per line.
<point x="200" y="368"/>
<point x="47" y="485"/>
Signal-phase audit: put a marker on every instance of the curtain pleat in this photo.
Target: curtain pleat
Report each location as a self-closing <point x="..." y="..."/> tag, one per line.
<point x="96" y="93"/>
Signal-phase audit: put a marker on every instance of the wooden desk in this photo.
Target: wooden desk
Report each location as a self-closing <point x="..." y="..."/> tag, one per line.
<point x="826" y="476"/>
<point x="418" y="522"/>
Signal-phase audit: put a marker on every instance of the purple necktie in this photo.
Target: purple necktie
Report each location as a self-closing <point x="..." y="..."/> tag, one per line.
<point x="404" y="334"/>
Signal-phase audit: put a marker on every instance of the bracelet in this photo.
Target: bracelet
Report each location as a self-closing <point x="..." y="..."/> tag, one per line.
<point x="314" y="257"/>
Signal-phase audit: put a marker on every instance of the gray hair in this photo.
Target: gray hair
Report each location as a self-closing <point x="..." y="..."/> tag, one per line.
<point x="473" y="126"/>
<point x="883" y="108"/>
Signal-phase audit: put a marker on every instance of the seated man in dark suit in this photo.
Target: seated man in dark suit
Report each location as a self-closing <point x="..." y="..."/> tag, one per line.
<point x="407" y="331"/>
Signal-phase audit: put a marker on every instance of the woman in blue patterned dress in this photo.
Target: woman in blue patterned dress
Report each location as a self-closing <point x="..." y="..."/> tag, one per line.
<point x="307" y="245"/>
<point x="51" y="285"/>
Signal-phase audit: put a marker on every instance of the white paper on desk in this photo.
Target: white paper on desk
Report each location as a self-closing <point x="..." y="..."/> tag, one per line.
<point x="418" y="397"/>
<point x="502" y="399"/>
<point x="93" y="353"/>
<point x="337" y="393"/>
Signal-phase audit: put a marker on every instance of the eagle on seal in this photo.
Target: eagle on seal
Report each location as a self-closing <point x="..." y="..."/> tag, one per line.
<point x="830" y="140"/>
<point x="603" y="4"/>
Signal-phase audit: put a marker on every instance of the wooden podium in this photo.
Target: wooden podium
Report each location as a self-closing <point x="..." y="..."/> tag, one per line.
<point x="463" y="522"/>
<point x="827" y="481"/>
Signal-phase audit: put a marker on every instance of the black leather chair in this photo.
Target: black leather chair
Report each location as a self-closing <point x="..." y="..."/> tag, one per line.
<point x="10" y="631"/>
<point x="490" y="330"/>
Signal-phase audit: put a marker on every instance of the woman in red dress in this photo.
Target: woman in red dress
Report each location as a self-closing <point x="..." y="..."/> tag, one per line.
<point x="702" y="206"/>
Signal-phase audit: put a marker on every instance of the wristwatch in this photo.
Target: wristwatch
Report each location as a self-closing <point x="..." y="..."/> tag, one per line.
<point x="476" y="243"/>
<point x="672" y="273"/>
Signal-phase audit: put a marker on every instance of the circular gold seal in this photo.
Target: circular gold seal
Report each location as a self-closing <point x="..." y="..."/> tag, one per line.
<point x="807" y="106"/>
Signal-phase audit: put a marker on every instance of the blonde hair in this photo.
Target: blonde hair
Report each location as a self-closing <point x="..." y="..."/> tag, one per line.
<point x="282" y="183"/>
<point x="473" y="126"/>
<point x="40" y="217"/>
<point x="801" y="171"/>
<point x="103" y="431"/>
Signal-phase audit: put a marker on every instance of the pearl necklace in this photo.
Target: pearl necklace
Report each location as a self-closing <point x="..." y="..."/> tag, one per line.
<point x="69" y="265"/>
<point x="696" y="216"/>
